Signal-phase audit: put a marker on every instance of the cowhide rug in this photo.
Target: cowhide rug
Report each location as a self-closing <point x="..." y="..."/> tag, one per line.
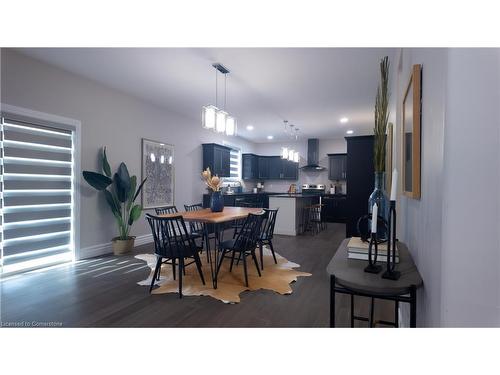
<point x="276" y="277"/>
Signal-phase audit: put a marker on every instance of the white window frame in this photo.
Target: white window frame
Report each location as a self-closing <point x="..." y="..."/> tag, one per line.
<point x="68" y="124"/>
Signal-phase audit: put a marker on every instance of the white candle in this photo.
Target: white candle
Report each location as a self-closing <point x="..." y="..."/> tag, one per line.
<point x="394" y="184"/>
<point x="374" y="218"/>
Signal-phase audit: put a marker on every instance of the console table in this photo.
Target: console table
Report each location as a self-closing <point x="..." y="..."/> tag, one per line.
<point x="347" y="276"/>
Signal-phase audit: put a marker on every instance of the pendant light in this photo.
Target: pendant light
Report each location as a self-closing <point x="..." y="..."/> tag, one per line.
<point x="214" y="118"/>
<point x="287" y="152"/>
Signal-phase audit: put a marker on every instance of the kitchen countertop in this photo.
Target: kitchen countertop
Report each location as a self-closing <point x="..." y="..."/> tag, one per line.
<point x="251" y="193"/>
<point x="298" y="195"/>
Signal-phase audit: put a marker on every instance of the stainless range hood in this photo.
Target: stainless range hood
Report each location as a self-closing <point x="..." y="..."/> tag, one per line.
<point x="313" y="156"/>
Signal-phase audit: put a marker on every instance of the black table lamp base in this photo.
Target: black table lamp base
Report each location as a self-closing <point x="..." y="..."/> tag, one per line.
<point x="391" y="275"/>
<point x="373" y="268"/>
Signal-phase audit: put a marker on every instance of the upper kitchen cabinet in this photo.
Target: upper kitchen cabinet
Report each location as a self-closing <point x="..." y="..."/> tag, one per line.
<point x="268" y="168"/>
<point x="263" y="167"/>
<point x="250" y="166"/>
<point x="290" y="170"/>
<point x="337" y="167"/>
<point x="217" y="158"/>
<point x="275" y="168"/>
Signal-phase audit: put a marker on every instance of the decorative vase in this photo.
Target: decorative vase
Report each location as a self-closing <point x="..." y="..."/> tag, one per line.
<point x="216" y="202"/>
<point x="122" y="246"/>
<point x="379" y="197"/>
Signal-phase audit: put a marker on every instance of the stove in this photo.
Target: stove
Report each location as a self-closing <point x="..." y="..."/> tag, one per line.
<point x="313" y="188"/>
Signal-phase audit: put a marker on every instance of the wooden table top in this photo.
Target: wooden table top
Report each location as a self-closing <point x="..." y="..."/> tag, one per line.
<point x="350" y="273"/>
<point x="207" y="216"/>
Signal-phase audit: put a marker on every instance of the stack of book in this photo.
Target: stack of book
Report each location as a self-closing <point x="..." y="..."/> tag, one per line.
<point x="357" y="249"/>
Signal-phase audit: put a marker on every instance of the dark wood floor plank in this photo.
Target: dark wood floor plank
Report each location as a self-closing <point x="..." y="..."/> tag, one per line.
<point x="85" y="295"/>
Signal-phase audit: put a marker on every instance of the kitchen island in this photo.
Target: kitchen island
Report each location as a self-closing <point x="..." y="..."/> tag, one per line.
<point x="290" y="214"/>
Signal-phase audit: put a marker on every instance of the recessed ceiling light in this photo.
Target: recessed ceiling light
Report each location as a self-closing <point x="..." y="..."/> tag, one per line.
<point x="350" y="131"/>
<point x="249" y="127"/>
<point x="344" y="120"/>
<point x="270" y="137"/>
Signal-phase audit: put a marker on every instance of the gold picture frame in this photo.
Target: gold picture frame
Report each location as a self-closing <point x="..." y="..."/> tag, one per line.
<point x="411" y="134"/>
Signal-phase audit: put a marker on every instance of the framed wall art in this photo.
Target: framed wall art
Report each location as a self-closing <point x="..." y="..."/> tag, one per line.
<point x="158" y="168"/>
<point x="412" y="133"/>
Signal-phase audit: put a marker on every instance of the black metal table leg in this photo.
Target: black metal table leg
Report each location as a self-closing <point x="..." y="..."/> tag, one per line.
<point x="332" y="301"/>
<point x="372" y="310"/>
<point x="216" y="249"/>
<point x="396" y="314"/>
<point x="413" y="306"/>
<point x="209" y="253"/>
<point x="352" y="310"/>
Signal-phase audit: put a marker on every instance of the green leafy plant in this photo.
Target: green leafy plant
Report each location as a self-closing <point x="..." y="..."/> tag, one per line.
<point x="121" y="194"/>
<point x="381" y="116"/>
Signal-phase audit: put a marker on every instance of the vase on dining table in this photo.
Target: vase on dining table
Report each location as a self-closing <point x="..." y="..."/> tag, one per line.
<point x="216" y="202"/>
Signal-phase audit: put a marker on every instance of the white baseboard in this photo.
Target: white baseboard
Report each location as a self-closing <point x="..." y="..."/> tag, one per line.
<point x="106" y="248"/>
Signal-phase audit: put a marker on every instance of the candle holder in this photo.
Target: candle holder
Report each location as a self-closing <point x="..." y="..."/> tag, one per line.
<point x="391" y="273"/>
<point x="372" y="266"/>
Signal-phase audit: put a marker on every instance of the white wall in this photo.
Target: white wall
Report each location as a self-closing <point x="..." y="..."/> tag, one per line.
<point x="419" y="221"/>
<point x="116" y="120"/>
<point x="453" y="230"/>
<point x="471" y="191"/>
<point x="326" y="146"/>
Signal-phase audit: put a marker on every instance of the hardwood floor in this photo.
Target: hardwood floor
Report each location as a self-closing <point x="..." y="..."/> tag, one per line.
<point x="103" y="292"/>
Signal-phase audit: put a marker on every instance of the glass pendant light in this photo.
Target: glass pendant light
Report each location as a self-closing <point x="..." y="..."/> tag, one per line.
<point x="214" y="118"/>
<point x="208" y="115"/>
<point x="290" y="154"/>
<point x="284" y="152"/>
<point x="230" y="125"/>
<point x="296" y="156"/>
<point x="220" y="122"/>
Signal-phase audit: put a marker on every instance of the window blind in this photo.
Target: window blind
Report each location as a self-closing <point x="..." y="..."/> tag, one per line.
<point x="235" y="163"/>
<point x="37" y="185"/>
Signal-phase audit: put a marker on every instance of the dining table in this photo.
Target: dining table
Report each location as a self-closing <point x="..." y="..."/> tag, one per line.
<point x="215" y="220"/>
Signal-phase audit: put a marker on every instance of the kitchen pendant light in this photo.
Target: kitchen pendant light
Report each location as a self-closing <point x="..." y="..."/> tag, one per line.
<point x="284" y="152"/>
<point x="214" y="118"/>
<point x="287" y="153"/>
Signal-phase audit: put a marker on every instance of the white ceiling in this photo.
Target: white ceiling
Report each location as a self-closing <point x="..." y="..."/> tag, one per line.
<point x="311" y="87"/>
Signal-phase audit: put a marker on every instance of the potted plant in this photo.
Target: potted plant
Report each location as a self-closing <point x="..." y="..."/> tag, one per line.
<point x="120" y="197"/>
<point x="214" y="183"/>
<point x="379" y="195"/>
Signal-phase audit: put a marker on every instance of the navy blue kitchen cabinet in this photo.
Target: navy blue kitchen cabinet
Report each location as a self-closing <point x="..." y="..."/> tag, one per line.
<point x="263" y="167"/>
<point x="217" y="158"/>
<point x="250" y="167"/>
<point x="275" y="168"/>
<point x="268" y="168"/>
<point x="360" y="177"/>
<point x="337" y="167"/>
<point x="290" y="170"/>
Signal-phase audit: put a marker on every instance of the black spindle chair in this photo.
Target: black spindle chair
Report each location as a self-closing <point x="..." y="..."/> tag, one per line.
<point x="198" y="229"/>
<point x="244" y="244"/>
<point x="166" y="210"/>
<point x="267" y="233"/>
<point x="173" y="243"/>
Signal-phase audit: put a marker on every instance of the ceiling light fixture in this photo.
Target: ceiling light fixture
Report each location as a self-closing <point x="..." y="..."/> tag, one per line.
<point x="350" y="131"/>
<point x="214" y="118"/>
<point x="344" y="120"/>
<point x="249" y="127"/>
<point x="287" y="152"/>
<point x="270" y="137"/>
